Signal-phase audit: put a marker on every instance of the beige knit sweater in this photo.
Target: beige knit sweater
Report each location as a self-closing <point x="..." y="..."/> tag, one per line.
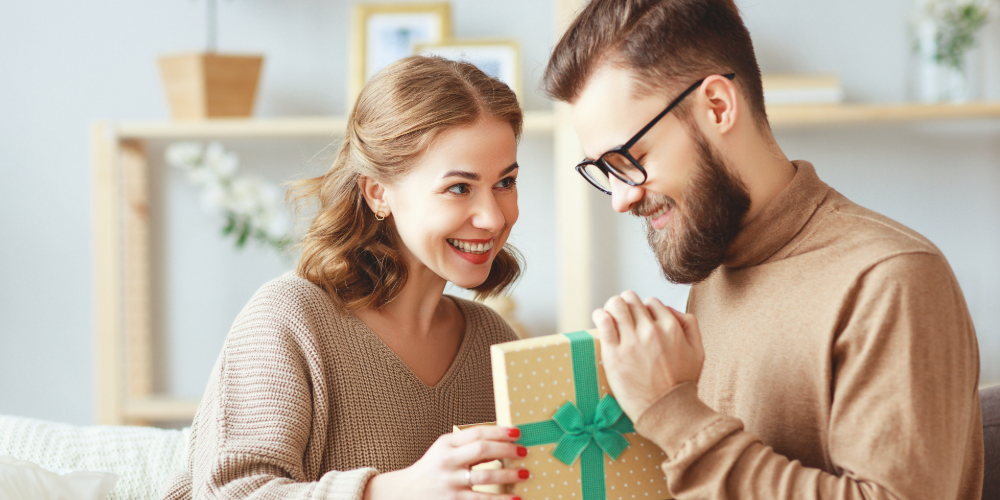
<point x="308" y="403"/>
<point x="840" y="362"/>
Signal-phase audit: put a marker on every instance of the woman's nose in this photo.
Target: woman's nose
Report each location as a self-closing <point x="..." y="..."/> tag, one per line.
<point x="623" y="196"/>
<point x="488" y="215"/>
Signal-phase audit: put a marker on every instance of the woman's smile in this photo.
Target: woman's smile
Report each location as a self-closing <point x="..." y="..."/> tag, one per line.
<point x="474" y="251"/>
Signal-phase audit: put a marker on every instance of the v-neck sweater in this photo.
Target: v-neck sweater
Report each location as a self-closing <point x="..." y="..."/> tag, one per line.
<point x="306" y="402"/>
<point x="840" y="363"/>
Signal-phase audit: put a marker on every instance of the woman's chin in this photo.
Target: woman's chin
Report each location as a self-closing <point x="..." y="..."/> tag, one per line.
<point x="468" y="279"/>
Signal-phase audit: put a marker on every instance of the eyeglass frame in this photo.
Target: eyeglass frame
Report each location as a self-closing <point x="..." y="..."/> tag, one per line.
<point x="623" y="150"/>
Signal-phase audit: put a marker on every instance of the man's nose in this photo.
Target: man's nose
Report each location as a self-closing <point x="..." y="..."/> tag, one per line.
<point x="623" y="196"/>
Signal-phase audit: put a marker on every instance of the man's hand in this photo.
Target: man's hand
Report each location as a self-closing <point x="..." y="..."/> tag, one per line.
<point x="647" y="349"/>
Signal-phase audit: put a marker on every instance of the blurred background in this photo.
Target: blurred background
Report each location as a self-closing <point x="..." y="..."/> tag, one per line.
<point x="67" y="63"/>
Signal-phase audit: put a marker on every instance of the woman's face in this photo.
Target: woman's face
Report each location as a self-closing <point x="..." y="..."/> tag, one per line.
<point x="455" y="208"/>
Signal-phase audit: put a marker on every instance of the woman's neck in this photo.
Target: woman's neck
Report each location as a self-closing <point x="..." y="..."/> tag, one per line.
<point x="415" y="310"/>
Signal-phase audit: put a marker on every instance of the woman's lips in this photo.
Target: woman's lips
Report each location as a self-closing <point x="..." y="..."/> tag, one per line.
<point x="474" y="251"/>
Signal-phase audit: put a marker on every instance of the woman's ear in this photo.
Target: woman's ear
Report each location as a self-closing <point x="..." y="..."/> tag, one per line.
<point x="374" y="193"/>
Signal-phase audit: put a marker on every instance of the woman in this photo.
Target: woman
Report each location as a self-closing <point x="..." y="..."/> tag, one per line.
<point x="344" y="380"/>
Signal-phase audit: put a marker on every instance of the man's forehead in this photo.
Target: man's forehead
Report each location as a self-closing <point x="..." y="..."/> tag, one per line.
<point x="608" y="110"/>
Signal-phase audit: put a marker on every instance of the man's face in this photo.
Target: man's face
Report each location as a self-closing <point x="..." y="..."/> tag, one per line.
<point x="692" y="203"/>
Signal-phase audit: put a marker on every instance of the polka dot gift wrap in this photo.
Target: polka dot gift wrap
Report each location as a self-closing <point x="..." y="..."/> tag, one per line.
<point x="581" y="445"/>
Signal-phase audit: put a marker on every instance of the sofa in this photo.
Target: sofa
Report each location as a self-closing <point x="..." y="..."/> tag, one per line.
<point x="145" y="457"/>
<point x="142" y="457"/>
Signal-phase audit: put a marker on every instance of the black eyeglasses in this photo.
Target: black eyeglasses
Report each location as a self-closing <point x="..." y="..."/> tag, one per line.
<point x="619" y="162"/>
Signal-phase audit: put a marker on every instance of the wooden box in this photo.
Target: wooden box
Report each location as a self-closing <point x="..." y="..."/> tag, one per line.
<point x="209" y="85"/>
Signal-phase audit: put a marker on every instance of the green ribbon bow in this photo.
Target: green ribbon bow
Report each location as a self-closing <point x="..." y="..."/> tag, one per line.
<point x="586" y="430"/>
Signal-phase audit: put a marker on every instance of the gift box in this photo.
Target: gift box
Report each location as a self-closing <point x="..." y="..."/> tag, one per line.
<point x="580" y="444"/>
<point x="491" y="465"/>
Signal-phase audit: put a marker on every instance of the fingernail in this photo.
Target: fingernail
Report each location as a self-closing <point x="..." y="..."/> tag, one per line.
<point x="517" y="498"/>
<point x="514" y="432"/>
<point x="522" y="451"/>
<point x="523" y="474"/>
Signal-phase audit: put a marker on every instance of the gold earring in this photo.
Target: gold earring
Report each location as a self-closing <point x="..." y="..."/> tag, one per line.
<point x="379" y="215"/>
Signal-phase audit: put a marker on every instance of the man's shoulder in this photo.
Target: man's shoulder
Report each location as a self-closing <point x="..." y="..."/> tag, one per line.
<point x="852" y="232"/>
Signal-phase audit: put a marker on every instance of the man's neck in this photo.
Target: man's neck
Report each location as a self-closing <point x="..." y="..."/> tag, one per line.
<point x="762" y="166"/>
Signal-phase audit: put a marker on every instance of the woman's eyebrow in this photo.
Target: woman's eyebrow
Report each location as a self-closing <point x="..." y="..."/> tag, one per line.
<point x="472" y="176"/>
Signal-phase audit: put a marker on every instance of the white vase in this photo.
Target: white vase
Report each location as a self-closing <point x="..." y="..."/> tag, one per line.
<point x="936" y="81"/>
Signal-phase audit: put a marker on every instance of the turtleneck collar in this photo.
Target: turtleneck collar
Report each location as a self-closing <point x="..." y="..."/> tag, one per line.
<point x="780" y="220"/>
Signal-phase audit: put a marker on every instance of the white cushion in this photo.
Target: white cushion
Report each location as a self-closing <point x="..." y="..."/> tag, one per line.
<point x="20" y="480"/>
<point x="143" y="457"/>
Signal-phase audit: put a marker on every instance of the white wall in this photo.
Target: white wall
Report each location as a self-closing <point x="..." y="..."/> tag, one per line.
<point x="65" y="63"/>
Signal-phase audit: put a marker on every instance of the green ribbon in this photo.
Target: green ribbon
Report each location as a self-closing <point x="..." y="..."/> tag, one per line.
<point x="587" y="430"/>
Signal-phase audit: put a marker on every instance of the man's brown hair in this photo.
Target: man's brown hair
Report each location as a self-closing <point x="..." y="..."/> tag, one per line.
<point x="666" y="44"/>
<point x="400" y="111"/>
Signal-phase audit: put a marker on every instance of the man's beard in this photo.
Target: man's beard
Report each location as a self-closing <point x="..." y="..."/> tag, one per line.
<point x="695" y="241"/>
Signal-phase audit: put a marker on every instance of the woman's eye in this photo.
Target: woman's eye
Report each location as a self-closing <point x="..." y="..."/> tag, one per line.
<point x="507" y="183"/>
<point x="459" y="189"/>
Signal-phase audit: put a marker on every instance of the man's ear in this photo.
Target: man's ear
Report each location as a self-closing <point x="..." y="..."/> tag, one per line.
<point x="374" y="193"/>
<point x="722" y="106"/>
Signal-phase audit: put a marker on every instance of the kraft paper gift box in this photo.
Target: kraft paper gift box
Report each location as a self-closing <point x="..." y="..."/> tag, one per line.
<point x="493" y="464"/>
<point x="581" y="446"/>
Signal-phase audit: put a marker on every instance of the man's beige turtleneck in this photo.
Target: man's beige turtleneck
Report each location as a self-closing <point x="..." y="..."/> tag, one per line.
<point x="841" y="363"/>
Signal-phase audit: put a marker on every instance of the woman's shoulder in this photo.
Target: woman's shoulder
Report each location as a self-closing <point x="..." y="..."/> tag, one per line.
<point x="484" y="321"/>
<point x="292" y="286"/>
<point x="292" y="293"/>
<point x="288" y="301"/>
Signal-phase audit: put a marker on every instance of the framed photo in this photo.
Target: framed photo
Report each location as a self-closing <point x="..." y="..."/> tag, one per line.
<point x="500" y="59"/>
<point x="383" y="33"/>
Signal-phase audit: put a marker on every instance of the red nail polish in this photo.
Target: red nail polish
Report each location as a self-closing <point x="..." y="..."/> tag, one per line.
<point x="517" y="498"/>
<point x="514" y="433"/>
<point x="523" y="474"/>
<point x="522" y="451"/>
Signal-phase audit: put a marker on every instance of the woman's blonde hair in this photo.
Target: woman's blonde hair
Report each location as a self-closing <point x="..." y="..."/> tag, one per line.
<point x="347" y="251"/>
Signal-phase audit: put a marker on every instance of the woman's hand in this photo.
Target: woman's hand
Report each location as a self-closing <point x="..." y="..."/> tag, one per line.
<point x="444" y="471"/>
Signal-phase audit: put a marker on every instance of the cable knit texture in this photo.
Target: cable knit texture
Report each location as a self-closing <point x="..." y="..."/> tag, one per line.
<point x="306" y="402"/>
<point x="840" y="363"/>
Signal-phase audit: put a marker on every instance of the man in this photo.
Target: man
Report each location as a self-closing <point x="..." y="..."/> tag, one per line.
<point x="827" y="351"/>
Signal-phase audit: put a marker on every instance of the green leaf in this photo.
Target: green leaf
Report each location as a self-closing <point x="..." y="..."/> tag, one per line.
<point x="230" y="224"/>
<point x="244" y="234"/>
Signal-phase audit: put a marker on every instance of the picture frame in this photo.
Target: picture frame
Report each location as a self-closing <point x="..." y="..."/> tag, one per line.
<point x="500" y="59"/>
<point x="385" y="32"/>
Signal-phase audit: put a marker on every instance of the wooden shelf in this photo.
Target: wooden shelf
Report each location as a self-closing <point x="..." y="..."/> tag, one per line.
<point x="797" y="115"/>
<point x="534" y="121"/>
<point x="544" y="121"/>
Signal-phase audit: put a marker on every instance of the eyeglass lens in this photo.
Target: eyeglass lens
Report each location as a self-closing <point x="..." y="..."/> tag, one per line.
<point x="597" y="176"/>
<point x="620" y="165"/>
<point x="624" y="167"/>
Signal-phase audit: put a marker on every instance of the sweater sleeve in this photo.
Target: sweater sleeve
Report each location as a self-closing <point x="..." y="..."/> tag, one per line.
<point x="904" y="419"/>
<point x="260" y="433"/>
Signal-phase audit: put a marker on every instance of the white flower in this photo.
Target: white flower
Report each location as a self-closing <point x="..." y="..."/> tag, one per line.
<point x="184" y="155"/>
<point x="246" y="196"/>
<point x="254" y="201"/>
<point x="215" y="198"/>
<point x="201" y="176"/>
<point x="220" y="162"/>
